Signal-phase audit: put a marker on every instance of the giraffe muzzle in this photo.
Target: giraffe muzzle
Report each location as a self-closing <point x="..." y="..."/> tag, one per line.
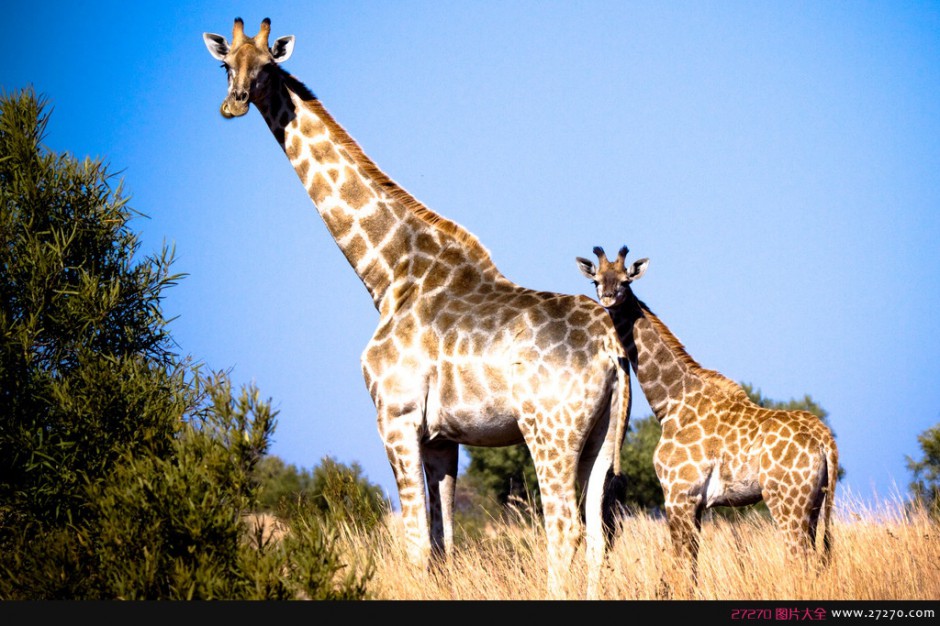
<point x="236" y="103"/>
<point x="231" y="109"/>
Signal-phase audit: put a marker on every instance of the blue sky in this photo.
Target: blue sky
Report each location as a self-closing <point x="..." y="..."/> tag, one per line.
<point x="777" y="162"/>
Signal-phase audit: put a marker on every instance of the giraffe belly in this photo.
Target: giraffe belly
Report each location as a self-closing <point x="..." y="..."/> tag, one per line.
<point x="474" y="421"/>
<point x="479" y="426"/>
<point x="722" y="488"/>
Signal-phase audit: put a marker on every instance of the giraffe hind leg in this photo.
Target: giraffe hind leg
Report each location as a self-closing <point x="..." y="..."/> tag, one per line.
<point x="561" y="514"/>
<point x="791" y="512"/>
<point x="594" y="473"/>
<point x="440" y="466"/>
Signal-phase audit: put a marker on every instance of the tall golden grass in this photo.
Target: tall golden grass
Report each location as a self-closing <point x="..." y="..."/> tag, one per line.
<point x="891" y="552"/>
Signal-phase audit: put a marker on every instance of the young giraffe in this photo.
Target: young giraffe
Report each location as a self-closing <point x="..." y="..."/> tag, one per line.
<point x="718" y="448"/>
<point x="461" y="354"/>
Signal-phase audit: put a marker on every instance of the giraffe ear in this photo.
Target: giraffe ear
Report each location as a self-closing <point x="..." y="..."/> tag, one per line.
<point x="637" y="269"/>
<point x="217" y="45"/>
<point x="282" y="48"/>
<point x="587" y="267"/>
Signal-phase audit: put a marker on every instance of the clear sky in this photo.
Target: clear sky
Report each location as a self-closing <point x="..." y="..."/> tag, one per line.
<point x="778" y="162"/>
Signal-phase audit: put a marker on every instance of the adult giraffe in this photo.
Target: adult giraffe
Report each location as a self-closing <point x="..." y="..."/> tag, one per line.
<point x="461" y="355"/>
<point x="718" y="448"/>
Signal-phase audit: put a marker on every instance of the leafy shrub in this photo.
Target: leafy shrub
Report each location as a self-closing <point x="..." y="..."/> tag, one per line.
<point x="124" y="472"/>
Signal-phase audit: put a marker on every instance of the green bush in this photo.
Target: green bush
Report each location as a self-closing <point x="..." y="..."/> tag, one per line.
<point x="186" y="515"/>
<point x="83" y="343"/>
<point x="338" y="494"/>
<point x="505" y="473"/>
<point x="124" y="472"/>
<point x="925" y="486"/>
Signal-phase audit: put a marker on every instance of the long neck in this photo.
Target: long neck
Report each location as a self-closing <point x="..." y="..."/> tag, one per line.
<point x="378" y="225"/>
<point x="665" y="371"/>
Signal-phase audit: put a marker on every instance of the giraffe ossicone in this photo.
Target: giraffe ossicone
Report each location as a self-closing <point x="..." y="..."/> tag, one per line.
<point x="461" y="355"/>
<point x="717" y="447"/>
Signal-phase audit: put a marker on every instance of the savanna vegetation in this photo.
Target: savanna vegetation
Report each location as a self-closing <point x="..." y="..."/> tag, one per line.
<point x="890" y="553"/>
<point x="131" y="471"/>
<point x="126" y="470"/>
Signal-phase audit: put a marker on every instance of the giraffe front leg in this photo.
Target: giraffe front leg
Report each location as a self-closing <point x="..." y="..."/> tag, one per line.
<point x="440" y="466"/>
<point x="403" y="447"/>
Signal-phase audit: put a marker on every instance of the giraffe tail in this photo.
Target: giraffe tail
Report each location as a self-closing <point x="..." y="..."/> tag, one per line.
<point x="832" y="463"/>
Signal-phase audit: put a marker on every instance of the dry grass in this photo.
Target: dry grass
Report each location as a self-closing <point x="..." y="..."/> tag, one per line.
<point x="885" y="554"/>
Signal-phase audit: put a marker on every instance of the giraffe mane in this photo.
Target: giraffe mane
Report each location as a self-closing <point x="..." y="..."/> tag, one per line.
<point x="719" y="380"/>
<point x="408" y="201"/>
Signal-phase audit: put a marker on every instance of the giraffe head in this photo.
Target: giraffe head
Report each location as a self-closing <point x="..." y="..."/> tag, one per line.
<point x="612" y="278"/>
<point x="247" y="61"/>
